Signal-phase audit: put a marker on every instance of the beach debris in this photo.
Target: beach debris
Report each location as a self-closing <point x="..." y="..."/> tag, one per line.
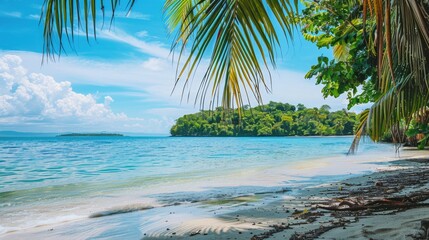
<point x="312" y="234"/>
<point x="306" y="214"/>
<point x="378" y="184"/>
<point x="376" y="204"/>
<point x="348" y="202"/>
<point x="311" y="219"/>
<point x="275" y="229"/>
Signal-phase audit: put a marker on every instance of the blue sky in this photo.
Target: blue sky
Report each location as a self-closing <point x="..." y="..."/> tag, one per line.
<point x="120" y="82"/>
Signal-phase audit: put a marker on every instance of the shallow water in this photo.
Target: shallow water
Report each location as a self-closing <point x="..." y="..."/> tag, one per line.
<point x="50" y="180"/>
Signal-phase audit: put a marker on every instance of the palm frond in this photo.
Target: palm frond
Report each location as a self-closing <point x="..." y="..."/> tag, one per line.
<point x="402" y="28"/>
<point x="359" y="132"/>
<point x="399" y="103"/>
<point x="402" y="47"/>
<point x="241" y="39"/>
<point x="62" y="19"/>
<point x="176" y="13"/>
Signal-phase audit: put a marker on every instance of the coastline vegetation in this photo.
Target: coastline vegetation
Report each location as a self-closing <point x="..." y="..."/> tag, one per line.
<point x="273" y="119"/>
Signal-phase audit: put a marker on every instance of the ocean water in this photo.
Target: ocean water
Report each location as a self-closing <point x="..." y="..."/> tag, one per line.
<point x="48" y="180"/>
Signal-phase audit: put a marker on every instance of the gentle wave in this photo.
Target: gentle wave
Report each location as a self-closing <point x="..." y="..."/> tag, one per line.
<point x="41" y="223"/>
<point x="120" y="210"/>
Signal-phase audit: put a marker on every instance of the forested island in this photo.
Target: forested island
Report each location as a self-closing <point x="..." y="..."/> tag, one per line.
<point x="273" y="119"/>
<point x="91" y="135"/>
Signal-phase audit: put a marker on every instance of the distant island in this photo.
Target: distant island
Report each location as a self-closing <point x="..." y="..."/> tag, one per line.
<point x="273" y="119"/>
<point x="91" y="135"/>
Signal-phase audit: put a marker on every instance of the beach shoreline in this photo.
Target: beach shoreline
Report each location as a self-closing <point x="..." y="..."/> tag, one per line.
<point x="292" y="214"/>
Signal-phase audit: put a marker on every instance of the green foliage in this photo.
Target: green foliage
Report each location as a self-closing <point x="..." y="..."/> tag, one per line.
<point x="380" y="56"/>
<point x="339" y="25"/>
<point x="273" y="119"/>
<point x="418" y="132"/>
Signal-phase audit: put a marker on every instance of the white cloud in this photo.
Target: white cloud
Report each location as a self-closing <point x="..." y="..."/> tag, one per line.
<point x="137" y="15"/>
<point x="34" y="16"/>
<point x="38" y="95"/>
<point x="153" y="78"/>
<point x="155" y="64"/>
<point x="20" y="15"/>
<point x="12" y="14"/>
<point x="129" y="14"/>
<point x="40" y="103"/>
<point x="152" y="48"/>
<point x="107" y="100"/>
<point x="142" y="34"/>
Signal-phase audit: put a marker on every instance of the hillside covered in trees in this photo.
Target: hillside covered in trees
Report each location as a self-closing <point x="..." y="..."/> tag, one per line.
<point x="273" y="119"/>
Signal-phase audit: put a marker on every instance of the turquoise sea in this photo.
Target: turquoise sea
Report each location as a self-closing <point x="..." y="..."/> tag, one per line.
<point x="48" y="180"/>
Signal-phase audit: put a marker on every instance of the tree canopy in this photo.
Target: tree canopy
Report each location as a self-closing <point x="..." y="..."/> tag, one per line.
<point x="273" y="119"/>
<point x="351" y="71"/>
<point x="365" y="66"/>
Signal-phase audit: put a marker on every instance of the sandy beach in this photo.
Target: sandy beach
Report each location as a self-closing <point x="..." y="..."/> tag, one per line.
<point x="388" y="203"/>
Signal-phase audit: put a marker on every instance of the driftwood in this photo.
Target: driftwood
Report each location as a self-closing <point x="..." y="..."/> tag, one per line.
<point x="376" y="204"/>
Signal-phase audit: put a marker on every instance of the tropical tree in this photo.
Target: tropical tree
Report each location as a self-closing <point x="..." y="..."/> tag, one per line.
<point x="402" y="73"/>
<point x="241" y="38"/>
<point x="352" y="64"/>
<point x="398" y="84"/>
<point x="267" y="120"/>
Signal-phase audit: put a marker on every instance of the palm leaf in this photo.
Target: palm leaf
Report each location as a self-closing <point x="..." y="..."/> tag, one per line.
<point x="239" y="37"/>
<point x="402" y="48"/>
<point x="359" y="132"/>
<point x="63" y="18"/>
